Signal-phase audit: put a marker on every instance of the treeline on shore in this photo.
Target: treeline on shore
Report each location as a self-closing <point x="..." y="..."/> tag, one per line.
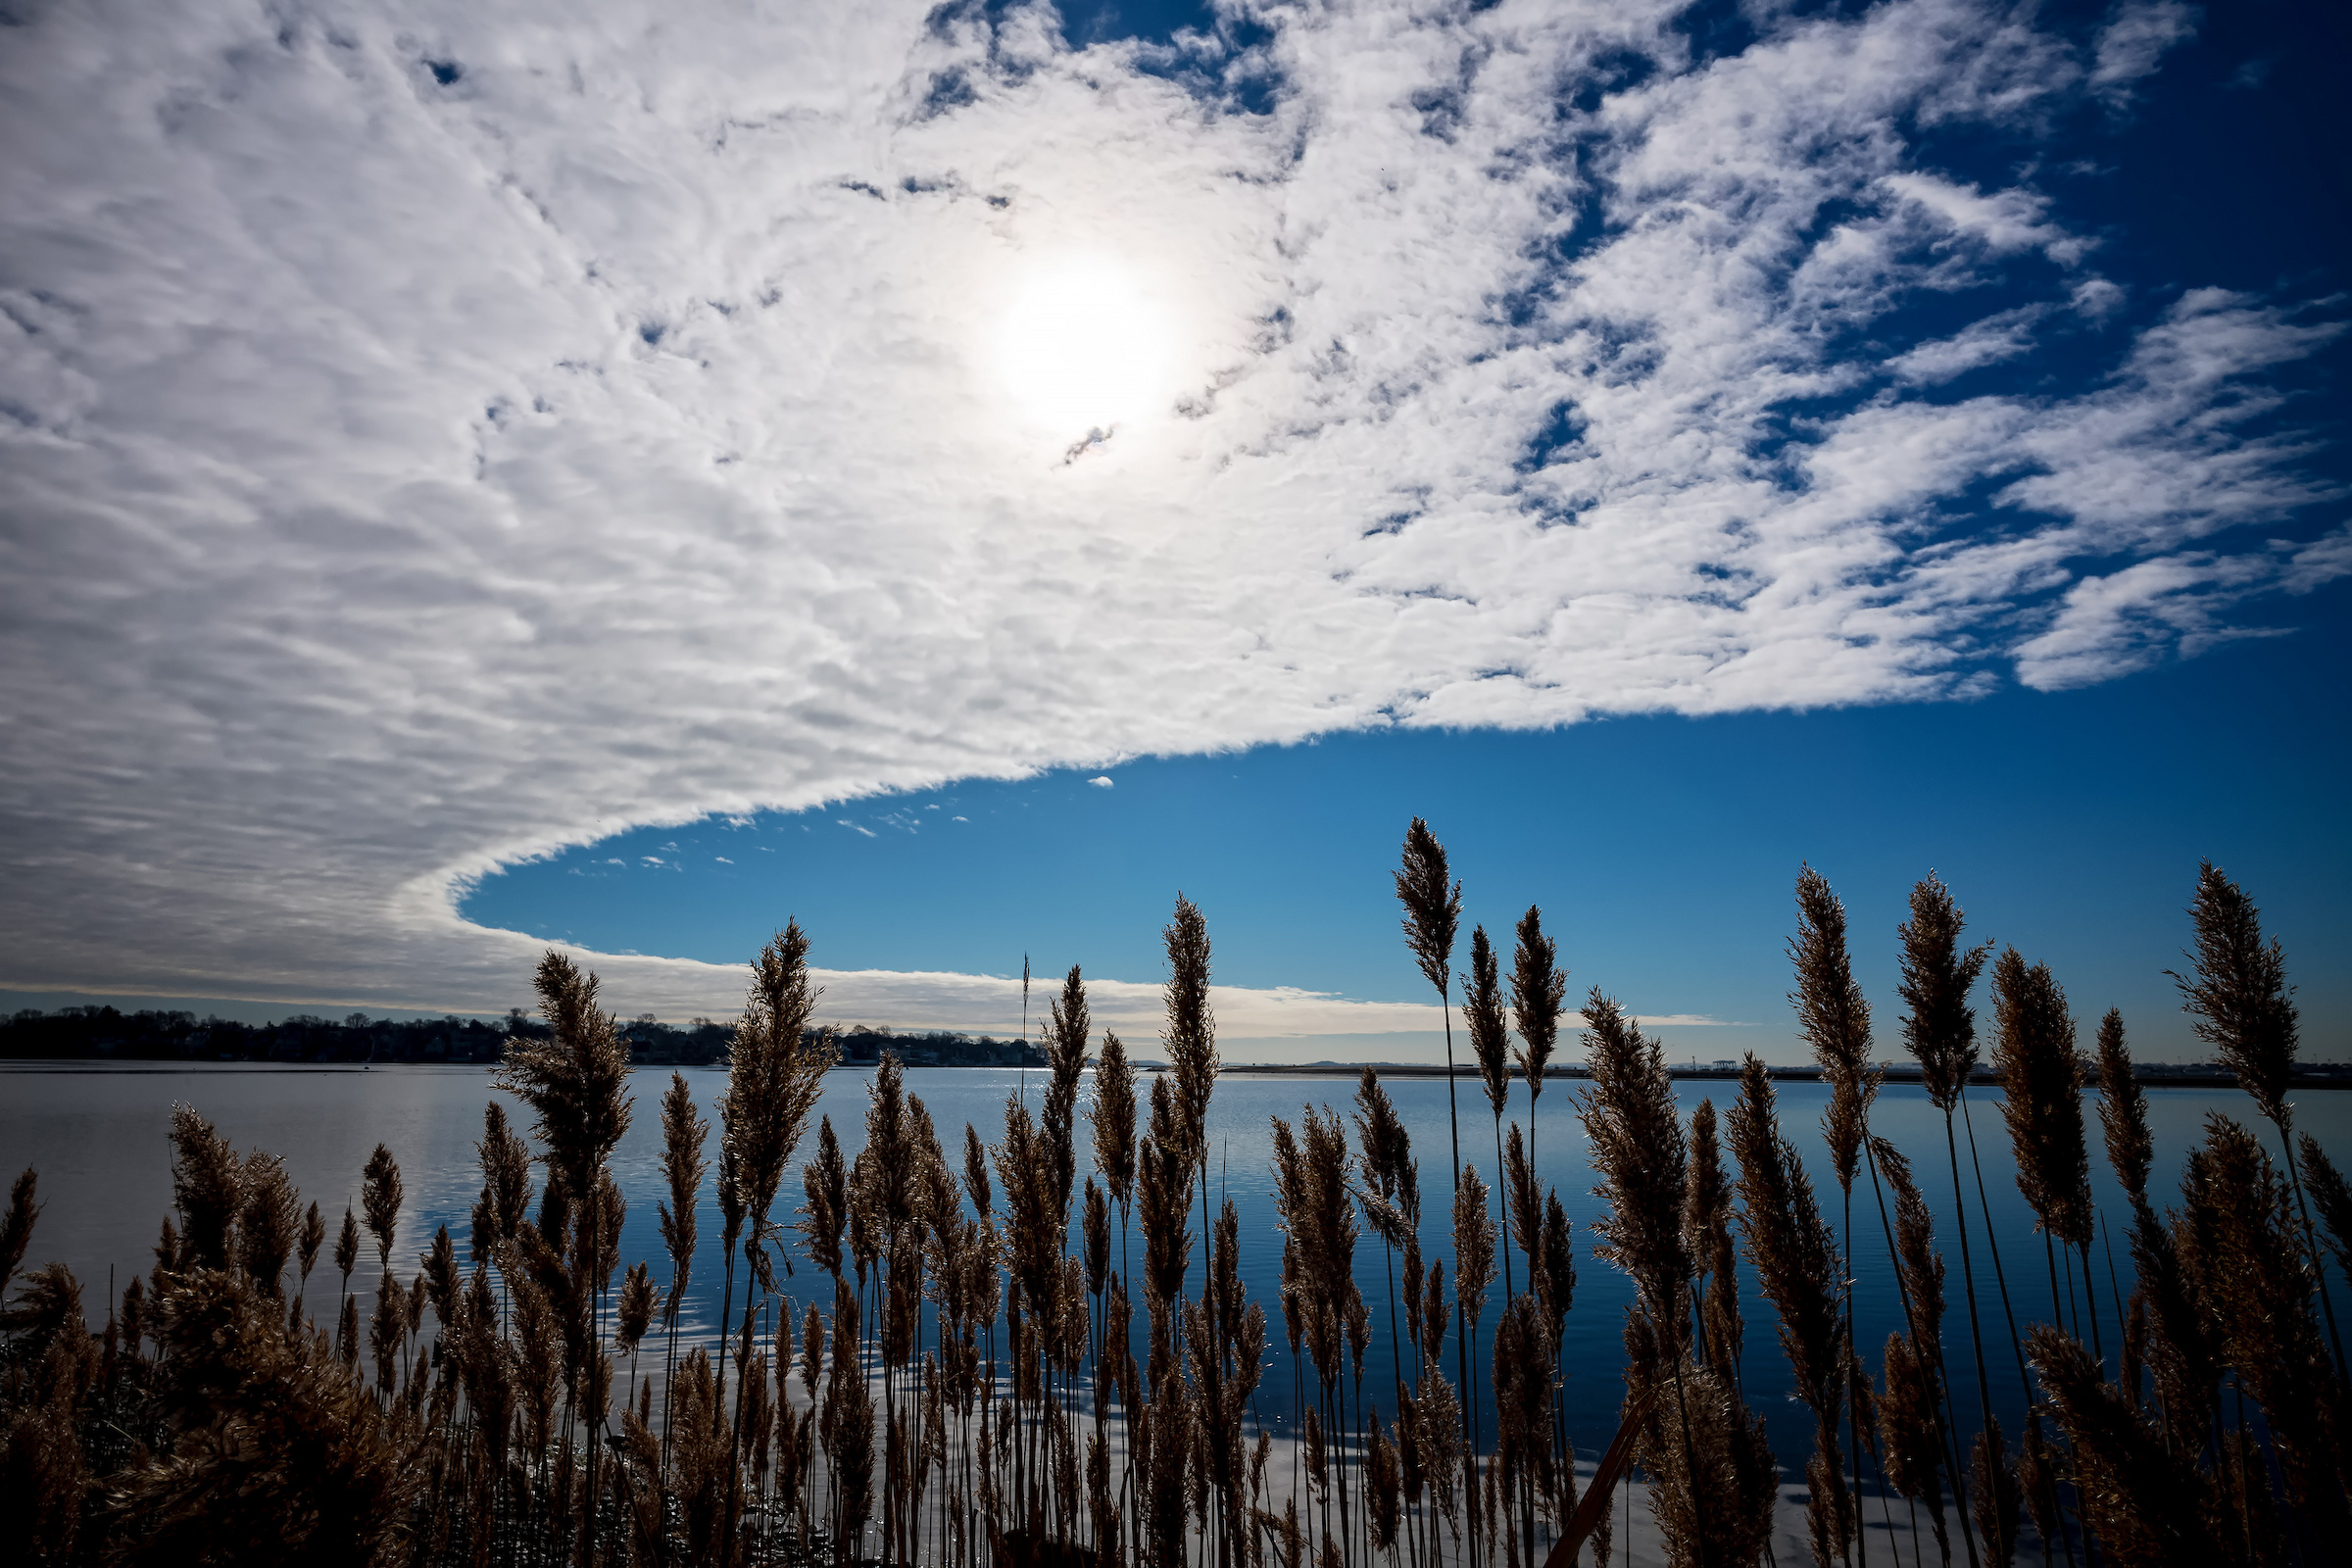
<point x="105" y="1033"/>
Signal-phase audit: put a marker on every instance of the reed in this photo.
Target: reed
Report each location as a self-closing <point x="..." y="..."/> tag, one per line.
<point x="1833" y="1017"/>
<point x="2245" y="1008"/>
<point x="1795" y="1259"/>
<point x="1489" y="1048"/>
<point x="2147" y="1506"/>
<point x="1433" y="913"/>
<point x="1940" y="1032"/>
<point x="2041" y="1102"/>
<point x="15" y="1231"/>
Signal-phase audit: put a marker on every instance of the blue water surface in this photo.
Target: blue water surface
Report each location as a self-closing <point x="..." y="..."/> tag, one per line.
<point x="98" y="1136"/>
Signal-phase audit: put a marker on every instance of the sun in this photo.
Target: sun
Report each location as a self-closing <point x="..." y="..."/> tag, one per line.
<point x="1085" y="346"/>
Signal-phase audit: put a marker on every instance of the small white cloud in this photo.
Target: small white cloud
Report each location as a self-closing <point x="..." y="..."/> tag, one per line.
<point x="2003" y="220"/>
<point x="2171" y="606"/>
<point x="2098" y="298"/>
<point x="2131" y="43"/>
<point x="1987" y="342"/>
<point x="615" y="861"/>
<point x="1100" y="781"/>
<point x="722" y="860"/>
<point x="854" y="828"/>
<point x="930" y="808"/>
<point x="651" y="859"/>
<point x="962" y="820"/>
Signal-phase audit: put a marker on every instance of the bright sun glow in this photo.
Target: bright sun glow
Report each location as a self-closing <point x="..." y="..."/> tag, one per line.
<point x="1084" y="346"/>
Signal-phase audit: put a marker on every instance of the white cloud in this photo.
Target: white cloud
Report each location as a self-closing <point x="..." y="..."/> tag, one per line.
<point x="2109" y="625"/>
<point x="1980" y="343"/>
<point x="856" y="827"/>
<point x="2003" y="222"/>
<point x="2131" y="43"/>
<point x="404" y="477"/>
<point x="1100" y="782"/>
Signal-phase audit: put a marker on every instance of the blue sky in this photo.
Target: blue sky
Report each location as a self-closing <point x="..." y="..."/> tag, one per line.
<point x="446" y="451"/>
<point x="1662" y="850"/>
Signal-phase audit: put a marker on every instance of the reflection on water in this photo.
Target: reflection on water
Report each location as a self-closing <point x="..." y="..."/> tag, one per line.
<point x="97" y="1134"/>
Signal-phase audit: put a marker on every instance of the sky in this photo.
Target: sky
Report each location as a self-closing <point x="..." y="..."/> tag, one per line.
<point x="605" y="475"/>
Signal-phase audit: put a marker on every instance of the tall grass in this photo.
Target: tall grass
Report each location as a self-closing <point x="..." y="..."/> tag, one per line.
<point x="962" y="1388"/>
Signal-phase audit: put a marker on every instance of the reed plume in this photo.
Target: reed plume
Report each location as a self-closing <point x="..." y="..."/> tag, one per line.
<point x="45" y="1476"/>
<point x="1473" y="1247"/>
<point x="1940" y="1032"/>
<point x="1795" y="1259"/>
<point x="1489" y="1048"/>
<point x="46" y="1313"/>
<point x="2333" y="1195"/>
<point x="2124" y="1110"/>
<point x="1713" y="1481"/>
<point x="313" y="1237"/>
<point x="1914" y="1435"/>
<point x="1539" y="993"/>
<point x="1191" y="1034"/>
<point x="1113" y="1116"/>
<point x="268" y="1216"/>
<point x="1833" y="1017"/>
<point x="575" y="1082"/>
<point x="1908" y="1433"/>
<point x="1392" y="1178"/>
<point x="1163" y="1192"/>
<point x="2238" y="995"/>
<point x="2041" y="1101"/>
<point x="1707" y="1236"/>
<point x="2239" y="1245"/>
<point x="2183" y="1329"/>
<point x="15" y="1231"/>
<point x="1433" y="913"/>
<point x="274" y="1453"/>
<point x="1640" y="1153"/>
<point x="2147" y="1506"/>
<point x="776" y="1072"/>
<point x="2245" y="1008"/>
<point x="683" y="1131"/>
<point x="506" y="1200"/>
<point x="1937" y="977"/>
<point x="1066" y="1032"/>
<point x="208" y="1187"/>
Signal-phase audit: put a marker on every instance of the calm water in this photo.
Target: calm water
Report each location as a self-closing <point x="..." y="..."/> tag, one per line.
<point x="98" y="1136"/>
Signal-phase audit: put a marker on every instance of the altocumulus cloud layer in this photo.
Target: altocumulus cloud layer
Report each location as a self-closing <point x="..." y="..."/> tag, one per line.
<point x="436" y="433"/>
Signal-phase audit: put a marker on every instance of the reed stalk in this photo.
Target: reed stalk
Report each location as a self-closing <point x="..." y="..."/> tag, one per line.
<point x="1940" y="1032"/>
<point x="1833" y="1017"/>
<point x="1433" y="912"/>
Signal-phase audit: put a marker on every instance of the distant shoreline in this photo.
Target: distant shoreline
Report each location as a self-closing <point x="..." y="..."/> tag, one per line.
<point x="2158" y="1075"/>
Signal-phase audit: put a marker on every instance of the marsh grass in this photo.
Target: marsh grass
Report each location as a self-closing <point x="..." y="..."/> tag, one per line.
<point x="965" y="1389"/>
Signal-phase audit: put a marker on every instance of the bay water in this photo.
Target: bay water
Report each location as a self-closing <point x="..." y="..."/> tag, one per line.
<point x="97" y="1133"/>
